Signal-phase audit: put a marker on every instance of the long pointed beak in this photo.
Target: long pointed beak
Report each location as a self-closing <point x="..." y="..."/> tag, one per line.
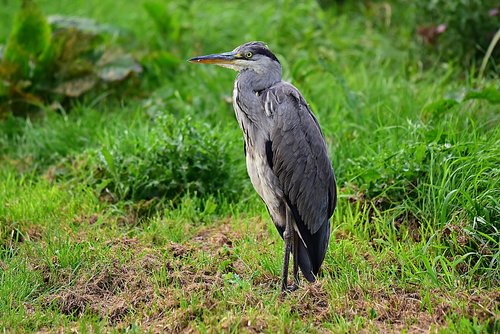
<point x="218" y="59"/>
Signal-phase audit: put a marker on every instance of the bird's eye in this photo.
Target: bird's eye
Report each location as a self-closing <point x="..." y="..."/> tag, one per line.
<point x="248" y="55"/>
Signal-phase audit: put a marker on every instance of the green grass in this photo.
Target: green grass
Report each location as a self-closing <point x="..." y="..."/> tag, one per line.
<point x="87" y="244"/>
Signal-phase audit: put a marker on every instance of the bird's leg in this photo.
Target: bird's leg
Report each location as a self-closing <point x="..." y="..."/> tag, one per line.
<point x="287" y="237"/>
<point x="295" y="260"/>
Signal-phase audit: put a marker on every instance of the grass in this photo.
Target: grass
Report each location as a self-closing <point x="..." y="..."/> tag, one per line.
<point x="415" y="237"/>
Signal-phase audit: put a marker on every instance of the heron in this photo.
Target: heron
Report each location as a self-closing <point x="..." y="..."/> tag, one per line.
<point x="286" y="156"/>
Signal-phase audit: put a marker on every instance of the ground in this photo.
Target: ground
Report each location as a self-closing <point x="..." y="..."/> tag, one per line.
<point x="128" y="209"/>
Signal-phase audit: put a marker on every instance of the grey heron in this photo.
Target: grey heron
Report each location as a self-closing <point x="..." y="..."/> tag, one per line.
<point x="286" y="155"/>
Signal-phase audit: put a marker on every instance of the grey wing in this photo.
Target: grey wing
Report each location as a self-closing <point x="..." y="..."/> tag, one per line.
<point x="300" y="157"/>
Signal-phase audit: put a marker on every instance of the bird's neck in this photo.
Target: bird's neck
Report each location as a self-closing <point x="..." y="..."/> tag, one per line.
<point x="259" y="81"/>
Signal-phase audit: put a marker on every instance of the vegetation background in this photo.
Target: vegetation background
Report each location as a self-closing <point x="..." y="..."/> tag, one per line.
<point x="124" y="201"/>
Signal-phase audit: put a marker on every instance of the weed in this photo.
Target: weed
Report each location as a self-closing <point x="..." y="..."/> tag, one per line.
<point x="170" y="160"/>
<point x="133" y="212"/>
<point x="458" y="31"/>
<point x="43" y="64"/>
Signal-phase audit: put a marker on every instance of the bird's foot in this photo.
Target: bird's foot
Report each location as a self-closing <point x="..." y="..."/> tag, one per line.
<point x="288" y="289"/>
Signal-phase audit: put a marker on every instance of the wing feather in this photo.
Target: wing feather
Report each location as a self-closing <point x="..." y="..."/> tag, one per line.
<point x="300" y="157"/>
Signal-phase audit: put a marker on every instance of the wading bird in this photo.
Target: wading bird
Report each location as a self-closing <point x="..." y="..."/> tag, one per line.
<point x="286" y="155"/>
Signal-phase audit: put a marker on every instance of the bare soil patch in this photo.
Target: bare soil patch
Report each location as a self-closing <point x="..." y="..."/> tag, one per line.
<point x="397" y="309"/>
<point x="134" y="291"/>
<point x="111" y="292"/>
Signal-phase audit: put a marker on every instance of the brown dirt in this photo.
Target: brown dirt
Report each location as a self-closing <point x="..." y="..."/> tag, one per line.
<point x="312" y="300"/>
<point x="33" y="233"/>
<point x="216" y="237"/>
<point x="84" y="219"/>
<point x="12" y="236"/>
<point x="128" y="292"/>
<point x="396" y="310"/>
<point x="456" y="229"/>
<point x="111" y="292"/>
<point x="412" y="225"/>
<point x="21" y="165"/>
<point x="116" y="290"/>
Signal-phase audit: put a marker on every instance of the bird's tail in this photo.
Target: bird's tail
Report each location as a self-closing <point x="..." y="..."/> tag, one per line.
<point x="311" y="257"/>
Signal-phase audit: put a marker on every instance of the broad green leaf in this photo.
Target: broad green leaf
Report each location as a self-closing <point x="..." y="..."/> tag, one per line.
<point x="438" y="107"/>
<point x="490" y="94"/>
<point x="29" y="40"/>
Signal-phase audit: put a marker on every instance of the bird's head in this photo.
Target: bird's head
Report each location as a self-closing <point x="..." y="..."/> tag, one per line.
<point x="252" y="55"/>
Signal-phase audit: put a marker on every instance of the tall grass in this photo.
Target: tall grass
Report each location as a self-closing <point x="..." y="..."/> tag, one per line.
<point x="143" y="200"/>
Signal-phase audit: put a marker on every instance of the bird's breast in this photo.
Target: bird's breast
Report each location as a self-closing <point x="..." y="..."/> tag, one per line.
<point x="255" y="125"/>
<point x="265" y="182"/>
